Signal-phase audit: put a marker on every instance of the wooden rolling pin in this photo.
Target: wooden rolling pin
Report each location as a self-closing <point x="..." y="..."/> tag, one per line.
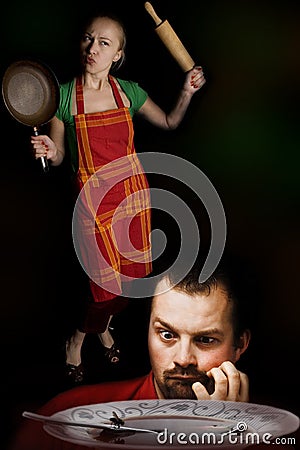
<point x="171" y="40"/>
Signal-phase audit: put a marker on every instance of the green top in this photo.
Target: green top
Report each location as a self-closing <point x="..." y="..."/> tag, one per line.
<point x="136" y="95"/>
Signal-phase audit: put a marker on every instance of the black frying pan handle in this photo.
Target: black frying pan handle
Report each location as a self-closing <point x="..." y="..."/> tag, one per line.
<point x="44" y="160"/>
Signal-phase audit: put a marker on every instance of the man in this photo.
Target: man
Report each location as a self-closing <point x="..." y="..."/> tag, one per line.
<point x="194" y="337"/>
<point x="197" y="333"/>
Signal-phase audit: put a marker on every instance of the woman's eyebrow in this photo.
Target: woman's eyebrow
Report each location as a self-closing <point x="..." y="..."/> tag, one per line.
<point x="90" y="33"/>
<point x="106" y="38"/>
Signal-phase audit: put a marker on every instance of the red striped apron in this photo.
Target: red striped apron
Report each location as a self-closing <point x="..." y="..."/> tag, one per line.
<point x="122" y="233"/>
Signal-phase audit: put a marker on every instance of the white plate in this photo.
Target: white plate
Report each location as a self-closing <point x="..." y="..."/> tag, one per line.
<point x="189" y="424"/>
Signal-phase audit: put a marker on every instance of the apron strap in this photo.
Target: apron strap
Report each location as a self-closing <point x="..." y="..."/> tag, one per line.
<point x="79" y="96"/>
<point x="116" y="92"/>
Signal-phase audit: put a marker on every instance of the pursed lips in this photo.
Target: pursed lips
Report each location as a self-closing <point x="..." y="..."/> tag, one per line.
<point x="90" y="60"/>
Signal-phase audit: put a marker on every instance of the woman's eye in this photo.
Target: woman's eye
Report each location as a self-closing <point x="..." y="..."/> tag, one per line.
<point x="166" y="335"/>
<point x="104" y="43"/>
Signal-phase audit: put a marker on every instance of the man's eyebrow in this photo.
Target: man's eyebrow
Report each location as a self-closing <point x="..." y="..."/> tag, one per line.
<point x="163" y="323"/>
<point x="210" y="332"/>
<point x="207" y="332"/>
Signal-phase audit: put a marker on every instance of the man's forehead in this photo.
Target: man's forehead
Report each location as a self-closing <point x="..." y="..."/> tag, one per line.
<point x="167" y="295"/>
<point x="162" y="286"/>
<point x="190" y="313"/>
<point x="165" y="292"/>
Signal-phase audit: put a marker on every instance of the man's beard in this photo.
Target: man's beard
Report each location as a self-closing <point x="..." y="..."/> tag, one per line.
<point x="173" y="387"/>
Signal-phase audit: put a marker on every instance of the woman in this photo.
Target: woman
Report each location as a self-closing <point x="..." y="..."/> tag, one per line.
<point x="94" y="120"/>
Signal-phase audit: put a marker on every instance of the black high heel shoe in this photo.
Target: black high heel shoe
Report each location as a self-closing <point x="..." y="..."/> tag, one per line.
<point x="113" y="354"/>
<point x="75" y="374"/>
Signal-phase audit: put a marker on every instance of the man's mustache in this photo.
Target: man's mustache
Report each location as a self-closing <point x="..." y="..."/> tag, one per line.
<point x="192" y="375"/>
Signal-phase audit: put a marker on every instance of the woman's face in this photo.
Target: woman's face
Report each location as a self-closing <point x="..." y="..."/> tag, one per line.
<point x="101" y="45"/>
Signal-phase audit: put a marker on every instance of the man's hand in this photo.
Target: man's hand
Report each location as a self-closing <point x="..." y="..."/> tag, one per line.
<point x="230" y="384"/>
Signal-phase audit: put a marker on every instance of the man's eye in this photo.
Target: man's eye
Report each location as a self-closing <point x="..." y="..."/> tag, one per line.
<point x="205" y="340"/>
<point x="166" y="335"/>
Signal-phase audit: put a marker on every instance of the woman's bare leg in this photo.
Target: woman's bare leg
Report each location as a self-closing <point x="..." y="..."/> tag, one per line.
<point x="105" y="337"/>
<point x="73" y="348"/>
<point x="112" y="352"/>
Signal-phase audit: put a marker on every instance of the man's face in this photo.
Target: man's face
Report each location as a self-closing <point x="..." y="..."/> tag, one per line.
<point x="188" y="335"/>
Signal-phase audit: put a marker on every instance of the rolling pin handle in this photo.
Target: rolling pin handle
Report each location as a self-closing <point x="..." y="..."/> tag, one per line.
<point x="149" y="8"/>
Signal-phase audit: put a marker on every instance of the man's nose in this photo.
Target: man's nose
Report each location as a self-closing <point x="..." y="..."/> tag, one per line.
<point x="185" y="354"/>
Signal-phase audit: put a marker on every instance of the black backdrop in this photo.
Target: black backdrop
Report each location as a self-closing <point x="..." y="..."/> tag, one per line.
<point x="241" y="130"/>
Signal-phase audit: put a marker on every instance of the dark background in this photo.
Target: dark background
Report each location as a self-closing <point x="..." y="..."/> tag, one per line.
<point x="241" y="130"/>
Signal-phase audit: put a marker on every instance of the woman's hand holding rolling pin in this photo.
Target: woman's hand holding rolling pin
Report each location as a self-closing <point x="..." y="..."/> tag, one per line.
<point x="194" y="80"/>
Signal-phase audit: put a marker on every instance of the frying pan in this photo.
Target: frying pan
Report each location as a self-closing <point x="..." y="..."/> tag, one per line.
<point x="172" y="42"/>
<point x="30" y="92"/>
